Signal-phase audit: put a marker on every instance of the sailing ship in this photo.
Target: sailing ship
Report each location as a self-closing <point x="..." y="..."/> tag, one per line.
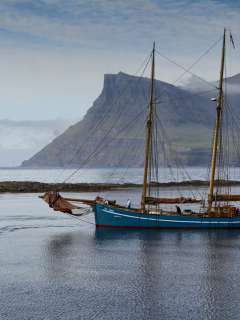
<point x="217" y="212"/>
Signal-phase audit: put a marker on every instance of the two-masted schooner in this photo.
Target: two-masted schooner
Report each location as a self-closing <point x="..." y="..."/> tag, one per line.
<point x="217" y="212"/>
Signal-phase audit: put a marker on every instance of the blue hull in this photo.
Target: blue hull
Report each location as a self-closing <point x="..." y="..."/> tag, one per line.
<point x="107" y="216"/>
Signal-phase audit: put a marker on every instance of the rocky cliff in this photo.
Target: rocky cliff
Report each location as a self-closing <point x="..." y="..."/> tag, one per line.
<point x="189" y="123"/>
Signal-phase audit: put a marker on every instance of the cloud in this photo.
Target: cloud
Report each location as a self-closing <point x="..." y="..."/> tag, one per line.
<point x="196" y="85"/>
<point x="54" y="53"/>
<point x="118" y="24"/>
<point x="232" y="89"/>
<point x="22" y="139"/>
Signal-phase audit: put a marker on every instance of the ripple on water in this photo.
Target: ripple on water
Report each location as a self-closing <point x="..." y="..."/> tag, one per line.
<point x="55" y="267"/>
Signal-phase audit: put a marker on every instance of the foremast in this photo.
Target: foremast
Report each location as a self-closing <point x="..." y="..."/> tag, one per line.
<point x="149" y="125"/>
<point x="218" y="109"/>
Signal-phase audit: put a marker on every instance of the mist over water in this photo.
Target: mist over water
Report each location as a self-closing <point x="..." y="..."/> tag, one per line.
<point x="53" y="266"/>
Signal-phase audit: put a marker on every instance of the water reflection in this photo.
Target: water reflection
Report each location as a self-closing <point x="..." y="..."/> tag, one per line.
<point x="219" y="277"/>
<point x="59" y="246"/>
<point x="175" y="273"/>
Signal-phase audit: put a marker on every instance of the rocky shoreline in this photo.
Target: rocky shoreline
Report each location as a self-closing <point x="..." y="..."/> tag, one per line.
<point x="31" y="186"/>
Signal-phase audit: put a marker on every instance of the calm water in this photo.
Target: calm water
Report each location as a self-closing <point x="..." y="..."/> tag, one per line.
<point x="94" y="175"/>
<point x="55" y="267"/>
<point x="98" y="175"/>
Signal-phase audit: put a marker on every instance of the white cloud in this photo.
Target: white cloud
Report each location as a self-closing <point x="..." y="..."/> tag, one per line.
<point x="119" y="24"/>
<point x="22" y="139"/>
<point x="196" y="85"/>
<point x="233" y="89"/>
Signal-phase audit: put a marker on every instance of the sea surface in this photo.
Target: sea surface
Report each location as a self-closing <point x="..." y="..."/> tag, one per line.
<point x="53" y="266"/>
<point x="103" y="175"/>
<point x="98" y="175"/>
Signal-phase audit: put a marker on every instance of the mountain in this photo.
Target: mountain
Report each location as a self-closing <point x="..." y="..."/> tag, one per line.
<point x="189" y="123"/>
<point x="234" y="80"/>
<point x="231" y="87"/>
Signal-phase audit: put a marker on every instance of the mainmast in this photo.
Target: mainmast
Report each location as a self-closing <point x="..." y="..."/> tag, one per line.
<point x="149" y="124"/>
<point x="219" y="107"/>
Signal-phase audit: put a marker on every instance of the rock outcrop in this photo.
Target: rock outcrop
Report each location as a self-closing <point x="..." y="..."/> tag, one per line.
<point x="36" y="187"/>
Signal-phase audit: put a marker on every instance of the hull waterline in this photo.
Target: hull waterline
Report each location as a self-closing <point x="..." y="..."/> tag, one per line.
<point x="108" y="216"/>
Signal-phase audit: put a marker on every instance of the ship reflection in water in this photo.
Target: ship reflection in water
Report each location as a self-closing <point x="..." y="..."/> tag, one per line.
<point x="54" y="267"/>
<point x="143" y="274"/>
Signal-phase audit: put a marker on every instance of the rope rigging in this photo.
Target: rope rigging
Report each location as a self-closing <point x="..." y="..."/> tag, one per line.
<point x="137" y="149"/>
<point x="147" y="59"/>
<point x="94" y="130"/>
<point x="228" y="149"/>
<point x="91" y="155"/>
<point x="126" y="151"/>
<point x="186" y="70"/>
<point x="192" y="95"/>
<point x="142" y="112"/>
<point x="172" y="153"/>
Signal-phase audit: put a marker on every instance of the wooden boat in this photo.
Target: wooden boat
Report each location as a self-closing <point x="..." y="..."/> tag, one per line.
<point x="219" y="212"/>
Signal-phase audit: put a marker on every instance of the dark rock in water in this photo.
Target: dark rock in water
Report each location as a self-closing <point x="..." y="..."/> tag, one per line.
<point x="29" y="186"/>
<point x="189" y="123"/>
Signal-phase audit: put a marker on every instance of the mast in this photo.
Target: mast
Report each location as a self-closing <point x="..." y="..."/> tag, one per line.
<point x="218" y="109"/>
<point x="149" y="124"/>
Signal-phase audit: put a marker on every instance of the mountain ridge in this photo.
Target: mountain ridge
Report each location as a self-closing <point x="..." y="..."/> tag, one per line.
<point x="185" y="121"/>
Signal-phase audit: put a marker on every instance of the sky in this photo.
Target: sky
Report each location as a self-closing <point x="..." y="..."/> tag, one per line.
<point x="54" y="54"/>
